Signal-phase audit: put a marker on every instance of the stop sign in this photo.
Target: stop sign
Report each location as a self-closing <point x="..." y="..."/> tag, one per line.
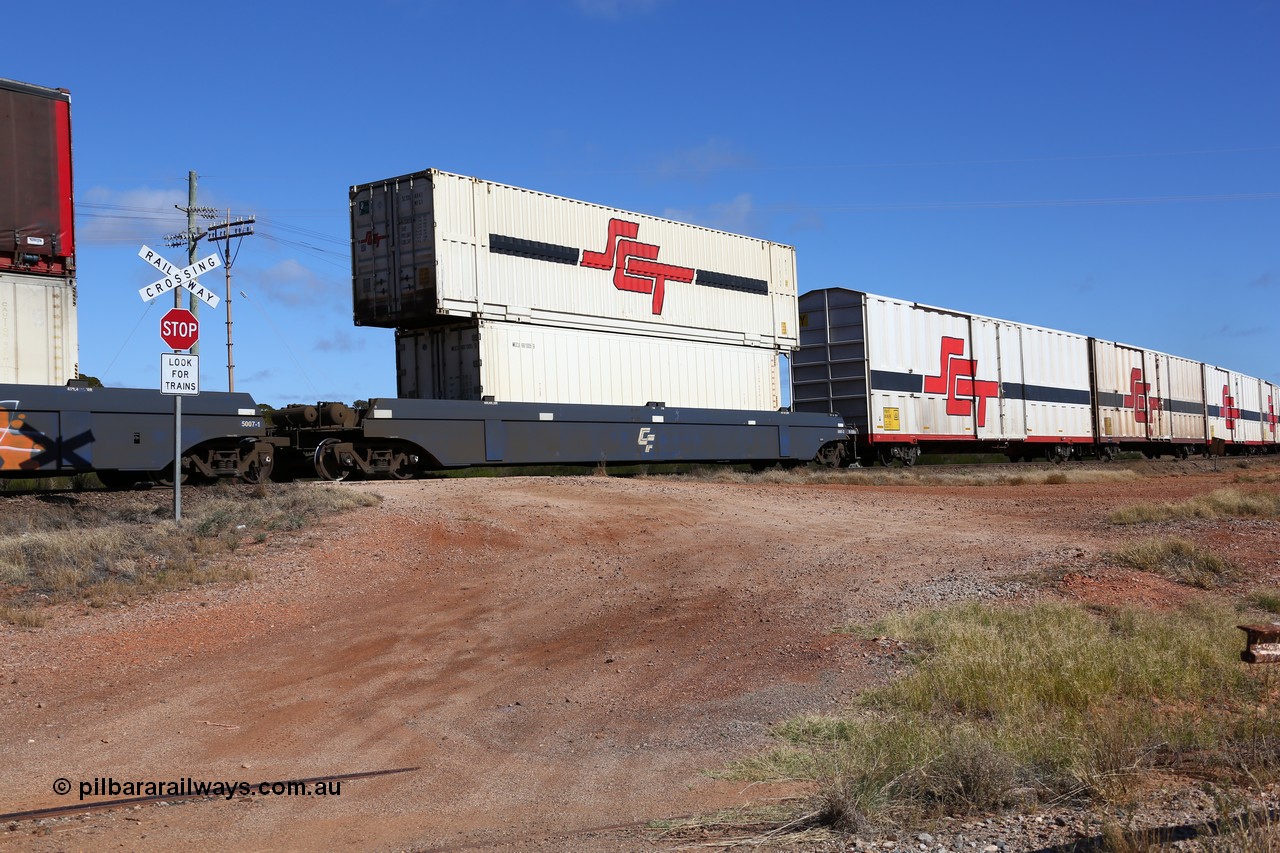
<point x="179" y="328"/>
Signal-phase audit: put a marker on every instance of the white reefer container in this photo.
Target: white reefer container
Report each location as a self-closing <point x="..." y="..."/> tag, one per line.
<point x="908" y="374"/>
<point x="526" y="363"/>
<point x="1235" y="406"/>
<point x="434" y="247"/>
<point x="1270" y="413"/>
<point x="38" y="341"/>
<point x="1147" y="396"/>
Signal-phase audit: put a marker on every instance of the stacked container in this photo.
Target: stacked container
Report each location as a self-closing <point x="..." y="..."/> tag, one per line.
<point x="38" y="343"/>
<point x="504" y="293"/>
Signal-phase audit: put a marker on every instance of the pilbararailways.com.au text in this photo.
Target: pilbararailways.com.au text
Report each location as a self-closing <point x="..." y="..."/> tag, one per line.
<point x="107" y="786"/>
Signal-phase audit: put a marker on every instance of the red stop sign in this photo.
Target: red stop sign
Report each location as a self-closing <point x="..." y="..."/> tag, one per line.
<point x="179" y="328"/>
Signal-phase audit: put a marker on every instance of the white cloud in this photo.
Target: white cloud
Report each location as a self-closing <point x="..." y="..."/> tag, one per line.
<point x="107" y="216"/>
<point x="615" y="10"/>
<point x="737" y="215"/>
<point x="339" y="342"/>
<point x="292" y="283"/>
<point x="699" y="162"/>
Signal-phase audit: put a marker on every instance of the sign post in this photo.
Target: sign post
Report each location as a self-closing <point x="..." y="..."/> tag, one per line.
<point x="179" y="373"/>
<point x="180" y="377"/>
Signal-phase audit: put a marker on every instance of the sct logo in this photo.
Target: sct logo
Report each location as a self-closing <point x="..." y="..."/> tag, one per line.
<point x="372" y="239"/>
<point x="957" y="378"/>
<point x="1270" y="416"/>
<point x="1229" y="410"/>
<point x="635" y="265"/>
<point x="646" y="438"/>
<point x="1137" y="398"/>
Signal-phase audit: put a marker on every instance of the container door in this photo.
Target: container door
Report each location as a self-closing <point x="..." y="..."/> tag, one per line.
<point x="988" y="373"/>
<point x="1155" y="376"/>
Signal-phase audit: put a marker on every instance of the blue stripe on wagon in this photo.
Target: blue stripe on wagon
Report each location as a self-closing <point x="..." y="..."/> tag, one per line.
<point x="1045" y="394"/>
<point x="887" y="380"/>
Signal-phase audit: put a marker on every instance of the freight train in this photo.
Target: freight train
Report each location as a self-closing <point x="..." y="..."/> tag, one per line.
<point x="533" y="329"/>
<point x="876" y="379"/>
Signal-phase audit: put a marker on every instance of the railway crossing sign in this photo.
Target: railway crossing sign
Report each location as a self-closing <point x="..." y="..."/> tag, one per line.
<point x="174" y="277"/>
<point x="179" y="329"/>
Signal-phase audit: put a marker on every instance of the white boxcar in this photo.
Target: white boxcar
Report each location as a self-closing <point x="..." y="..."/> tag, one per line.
<point x="435" y="247"/>
<point x="1236" y="406"/>
<point x="38" y="340"/>
<point x="521" y="362"/>
<point x="910" y="375"/>
<point x="1146" y="399"/>
<point x="1270" y="413"/>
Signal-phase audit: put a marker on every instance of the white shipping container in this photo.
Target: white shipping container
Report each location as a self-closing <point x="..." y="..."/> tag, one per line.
<point x="525" y="363"/>
<point x="433" y="247"/>
<point x="1247" y="405"/>
<point x="1235" y="406"/>
<point x="907" y="373"/>
<point x="1270" y="412"/>
<point x="38" y="331"/>
<point x="1143" y="395"/>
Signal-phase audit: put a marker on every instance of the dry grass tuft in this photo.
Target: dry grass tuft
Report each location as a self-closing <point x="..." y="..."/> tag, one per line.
<point x="23" y="617"/>
<point x="1178" y="559"/>
<point x="987" y="475"/>
<point x="1266" y="599"/>
<point x="66" y="550"/>
<point x="1013" y="705"/>
<point x="1223" y="503"/>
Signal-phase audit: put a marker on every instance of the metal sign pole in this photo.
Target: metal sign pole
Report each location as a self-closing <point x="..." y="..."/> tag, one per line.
<point x="177" y="458"/>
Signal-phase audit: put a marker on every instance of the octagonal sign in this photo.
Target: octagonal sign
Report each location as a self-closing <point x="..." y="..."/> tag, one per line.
<point x="179" y="329"/>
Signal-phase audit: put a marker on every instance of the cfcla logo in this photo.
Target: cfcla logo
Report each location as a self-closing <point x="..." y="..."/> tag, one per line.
<point x="1137" y="398"/>
<point x="957" y="379"/>
<point x="635" y="267"/>
<point x="1229" y="410"/>
<point x="646" y="438"/>
<point x="372" y="238"/>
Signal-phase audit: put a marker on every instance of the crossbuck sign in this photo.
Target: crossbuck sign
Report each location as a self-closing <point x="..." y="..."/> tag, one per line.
<point x="174" y="277"/>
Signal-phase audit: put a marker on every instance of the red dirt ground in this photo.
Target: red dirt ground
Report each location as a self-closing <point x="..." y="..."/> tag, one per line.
<point x="562" y="659"/>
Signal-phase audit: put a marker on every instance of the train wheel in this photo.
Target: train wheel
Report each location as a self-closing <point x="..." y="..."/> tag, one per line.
<point x="401" y="467"/>
<point x="118" y="479"/>
<point x="327" y="465"/>
<point x="1107" y="453"/>
<point x="259" y="470"/>
<point x="885" y="456"/>
<point x="164" y="478"/>
<point x="832" y="455"/>
<point x="910" y="456"/>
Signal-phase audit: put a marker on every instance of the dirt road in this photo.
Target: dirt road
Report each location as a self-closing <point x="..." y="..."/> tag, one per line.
<point x="561" y="659"/>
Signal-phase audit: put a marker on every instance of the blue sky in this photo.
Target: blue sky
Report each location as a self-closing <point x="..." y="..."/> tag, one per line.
<point x="1110" y="168"/>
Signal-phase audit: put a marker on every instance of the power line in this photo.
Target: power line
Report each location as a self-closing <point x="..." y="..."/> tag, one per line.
<point x="1061" y="202"/>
